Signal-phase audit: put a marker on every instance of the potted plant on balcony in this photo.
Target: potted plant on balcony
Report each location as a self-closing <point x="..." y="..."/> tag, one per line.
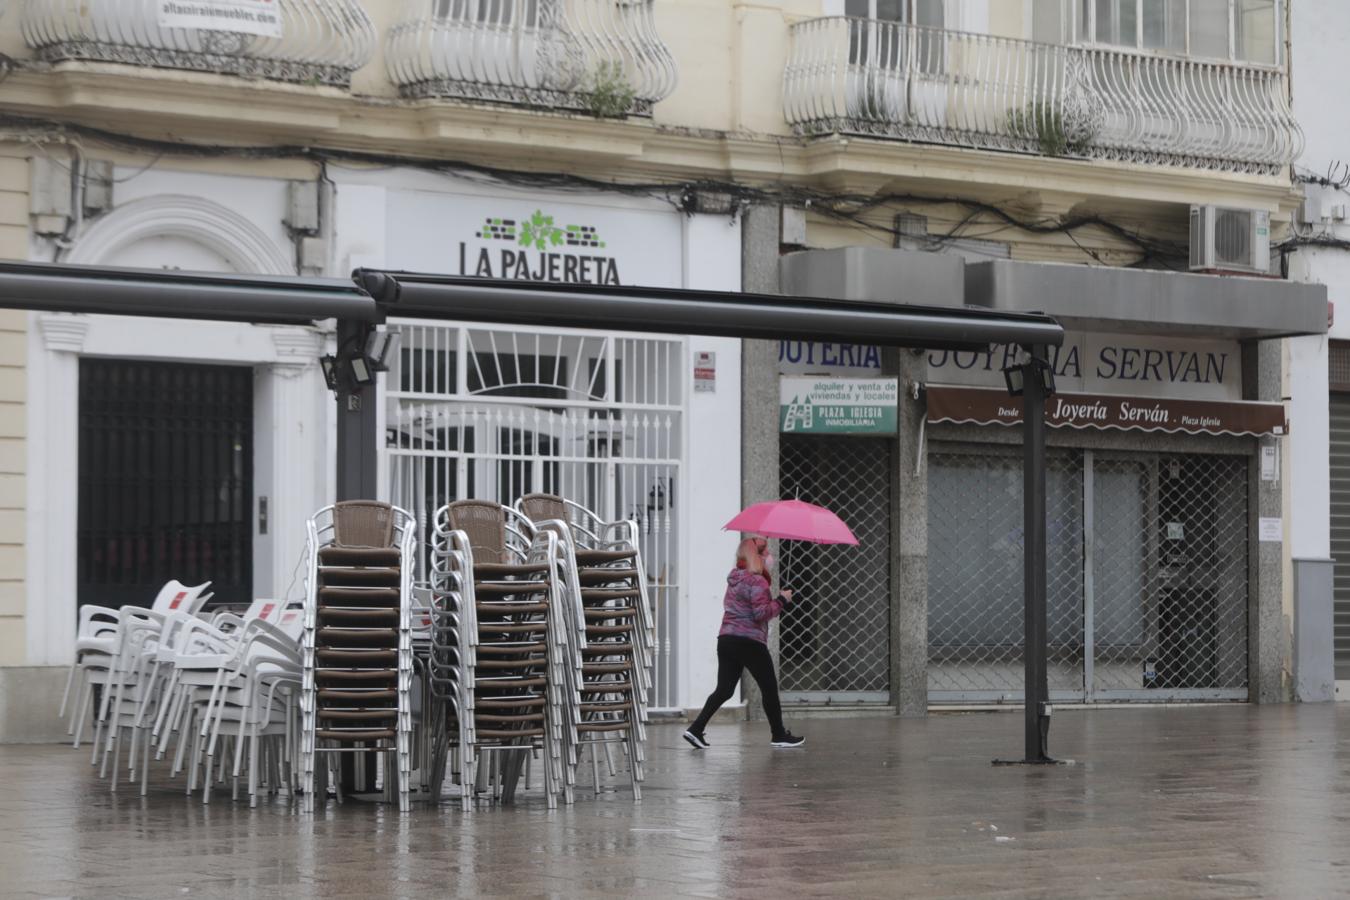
<point x="1056" y="132"/>
<point x="609" y="94"/>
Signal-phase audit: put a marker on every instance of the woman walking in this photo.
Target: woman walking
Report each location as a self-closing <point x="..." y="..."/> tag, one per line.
<point x="749" y="607"/>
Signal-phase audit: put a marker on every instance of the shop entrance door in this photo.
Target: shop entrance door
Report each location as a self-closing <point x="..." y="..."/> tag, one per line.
<point x="1146" y="576"/>
<point x="165" y="480"/>
<point x="494" y="413"/>
<point x="834" y="641"/>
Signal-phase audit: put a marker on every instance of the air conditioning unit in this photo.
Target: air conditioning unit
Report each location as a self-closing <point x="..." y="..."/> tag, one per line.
<point x="1230" y="240"/>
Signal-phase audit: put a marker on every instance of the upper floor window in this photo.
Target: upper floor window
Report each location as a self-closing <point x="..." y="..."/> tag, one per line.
<point x="488" y="12"/>
<point x="1246" y="30"/>
<point x="913" y="12"/>
<point x="879" y="41"/>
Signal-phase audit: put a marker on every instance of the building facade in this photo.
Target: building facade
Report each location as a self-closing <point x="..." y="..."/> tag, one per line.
<point x="1318" y="377"/>
<point x="689" y="143"/>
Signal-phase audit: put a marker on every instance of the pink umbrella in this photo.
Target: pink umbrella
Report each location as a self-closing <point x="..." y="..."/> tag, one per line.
<point x="793" y="520"/>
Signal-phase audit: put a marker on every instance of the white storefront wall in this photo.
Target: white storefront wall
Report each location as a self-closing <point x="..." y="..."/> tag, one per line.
<point x="423" y="222"/>
<point x="1318" y="33"/>
<point x="164" y="219"/>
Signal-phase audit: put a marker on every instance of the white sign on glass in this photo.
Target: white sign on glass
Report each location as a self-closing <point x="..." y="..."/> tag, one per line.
<point x="260" y="17"/>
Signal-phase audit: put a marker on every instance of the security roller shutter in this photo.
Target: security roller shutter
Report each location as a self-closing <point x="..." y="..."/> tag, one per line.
<point x="1340" y="501"/>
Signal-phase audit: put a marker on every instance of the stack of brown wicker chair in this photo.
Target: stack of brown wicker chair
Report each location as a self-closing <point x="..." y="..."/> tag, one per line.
<point x="357" y="646"/>
<point x="615" y="633"/>
<point x="513" y="677"/>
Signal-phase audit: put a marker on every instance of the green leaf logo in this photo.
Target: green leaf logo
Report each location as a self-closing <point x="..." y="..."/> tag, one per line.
<point x="540" y="232"/>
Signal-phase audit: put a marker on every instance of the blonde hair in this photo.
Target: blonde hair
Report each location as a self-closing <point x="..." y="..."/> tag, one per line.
<point x="748" y="552"/>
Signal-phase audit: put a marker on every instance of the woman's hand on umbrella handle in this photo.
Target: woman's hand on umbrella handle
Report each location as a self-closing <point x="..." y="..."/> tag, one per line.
<point x="786" y="594"/>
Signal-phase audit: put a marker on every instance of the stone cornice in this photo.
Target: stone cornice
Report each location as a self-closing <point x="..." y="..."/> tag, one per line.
<point x="206" y="109"/>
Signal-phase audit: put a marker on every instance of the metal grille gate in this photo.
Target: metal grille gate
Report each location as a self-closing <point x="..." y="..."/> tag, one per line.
<point x="834" y="640"/>
<point x="1340" y="515"/>
<point x="495" y="412"/>
<point x="1146" y="573"/>
<point x="165" y="480"/>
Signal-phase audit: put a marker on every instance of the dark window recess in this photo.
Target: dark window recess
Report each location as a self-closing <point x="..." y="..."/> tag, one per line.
<point x="597" y="371"/>
<point x="427" y="371"/>
<point x="508" y="375"/>
<point x="165" y="480"/>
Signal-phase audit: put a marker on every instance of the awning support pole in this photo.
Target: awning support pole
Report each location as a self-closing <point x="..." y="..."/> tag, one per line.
<point x="357" y="473"/>
<point x="1033" y="578"/>
<point x="357" y="442"/>
<point x="1037" y="710"/>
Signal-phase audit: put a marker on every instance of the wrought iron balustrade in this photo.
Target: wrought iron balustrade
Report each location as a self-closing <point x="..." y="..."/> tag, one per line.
<point x="864" y="76"/>
<point x="316" y="41"/>
<point x="601" y="56"/>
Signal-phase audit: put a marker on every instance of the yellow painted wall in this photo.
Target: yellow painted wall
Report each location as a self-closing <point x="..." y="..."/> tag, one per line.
<point x="13" y="388"/>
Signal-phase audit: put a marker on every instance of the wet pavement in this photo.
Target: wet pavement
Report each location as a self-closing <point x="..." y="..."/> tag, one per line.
<point x="1238" y="801"/>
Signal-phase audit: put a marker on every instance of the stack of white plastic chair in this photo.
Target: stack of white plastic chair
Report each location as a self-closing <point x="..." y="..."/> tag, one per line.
<point x="235" y="679"/>
<point x="109" y="654"/>
<point x="606" y="584"/>
<point x="98" y="641"/>
<point x="191" y="660"/>
<point x="516" y="678"/>
<point x="162" y="656"/>
<point x="253" y="705"/>
<point x="357" y="655"/>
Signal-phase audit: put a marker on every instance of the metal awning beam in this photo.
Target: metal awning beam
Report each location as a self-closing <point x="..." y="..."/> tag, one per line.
<point x="716" y="313"/>
<point x="182" y="295"/>
<point x="376" y="294"/>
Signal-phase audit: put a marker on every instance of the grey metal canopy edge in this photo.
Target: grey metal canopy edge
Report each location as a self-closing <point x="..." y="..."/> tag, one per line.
<point x="714" y="313"/>
<point x="372" y="295"/>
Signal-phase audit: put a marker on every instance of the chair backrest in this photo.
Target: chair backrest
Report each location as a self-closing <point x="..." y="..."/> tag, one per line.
<point x="542" y="507"/>
<point x="178" y="597"/>
<point x="363" y="523"/>
<point x="291" y="620"/>
<point x="484" y="523"/>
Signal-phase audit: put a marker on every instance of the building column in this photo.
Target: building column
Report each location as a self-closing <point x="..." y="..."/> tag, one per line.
<point x="1269" y="648"/>
<point x="759" y="392"/>
<point x="53" y="465"/>
<point x="1307" y="502"/>
<point x="909" y="545"/>
<point x="289" y="441"/>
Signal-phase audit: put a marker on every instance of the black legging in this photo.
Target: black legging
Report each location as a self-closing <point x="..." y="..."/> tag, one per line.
<point x="733" y="655"/>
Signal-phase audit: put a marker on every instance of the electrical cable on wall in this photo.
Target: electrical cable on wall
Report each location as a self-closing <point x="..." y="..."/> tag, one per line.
<point x="847" y="208"/>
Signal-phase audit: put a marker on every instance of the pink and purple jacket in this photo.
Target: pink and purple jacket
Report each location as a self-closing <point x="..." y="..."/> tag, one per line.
<point x="748" y="606"/>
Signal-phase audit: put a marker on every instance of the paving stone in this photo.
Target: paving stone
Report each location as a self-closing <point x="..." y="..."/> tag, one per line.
<point x="1231" y="801"/>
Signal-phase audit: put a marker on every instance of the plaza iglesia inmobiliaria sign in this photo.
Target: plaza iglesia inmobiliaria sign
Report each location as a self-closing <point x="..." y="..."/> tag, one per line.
<point x="985" y="406"/>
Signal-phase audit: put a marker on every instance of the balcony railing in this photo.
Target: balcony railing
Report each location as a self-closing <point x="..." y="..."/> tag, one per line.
<point x="923" y="84"/>
<point x="315" y="41"/>
<point x="600" y="56"/>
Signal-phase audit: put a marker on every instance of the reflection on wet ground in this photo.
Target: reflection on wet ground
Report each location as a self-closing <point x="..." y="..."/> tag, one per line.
<point x="1234" y="801"/>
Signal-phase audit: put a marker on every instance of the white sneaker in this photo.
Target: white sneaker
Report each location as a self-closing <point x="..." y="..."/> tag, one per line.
<point x="697" y="740"/>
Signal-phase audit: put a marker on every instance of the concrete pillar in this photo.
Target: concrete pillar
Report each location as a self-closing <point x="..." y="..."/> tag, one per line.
<point x="909" y="546"/>
<point x="1306" y="471"/>
<point x="1269" y="638"/>
<point x="759" y="391"/>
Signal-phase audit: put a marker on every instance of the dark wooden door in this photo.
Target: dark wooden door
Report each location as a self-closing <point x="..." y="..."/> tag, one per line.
<point x="165" y="480"/>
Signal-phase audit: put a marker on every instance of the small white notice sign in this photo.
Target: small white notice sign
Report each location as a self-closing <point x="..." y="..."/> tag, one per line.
<point x="1271" y="530"/>
<point x="1270" y="463"/>
<point x="705" y="372"/>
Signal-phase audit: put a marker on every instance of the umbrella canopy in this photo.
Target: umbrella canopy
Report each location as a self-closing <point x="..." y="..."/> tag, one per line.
<point x="793" y="520"/>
